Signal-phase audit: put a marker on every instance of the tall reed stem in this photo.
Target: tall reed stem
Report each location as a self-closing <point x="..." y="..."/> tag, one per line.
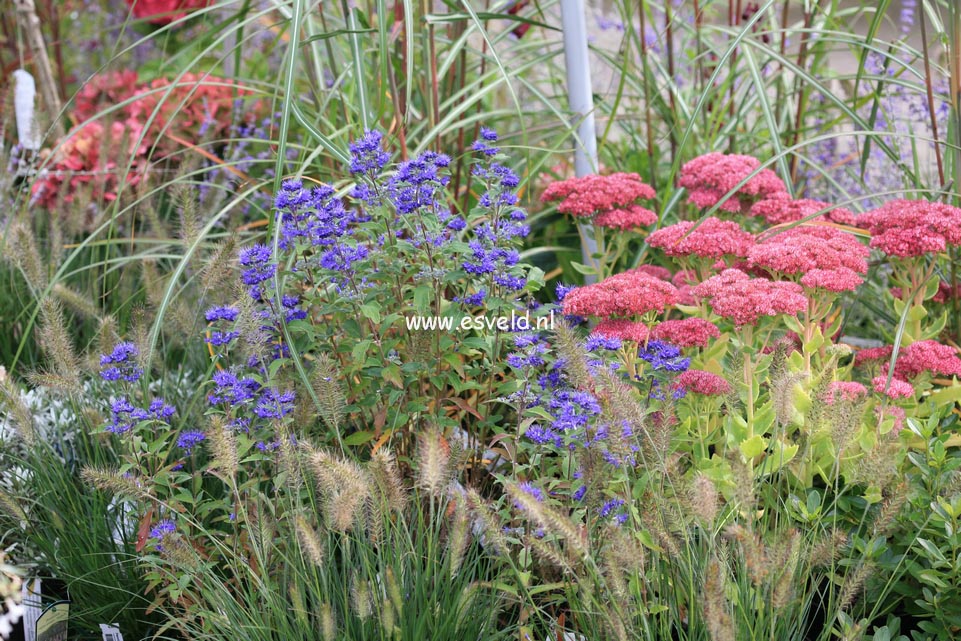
<point x="954" y="136"/>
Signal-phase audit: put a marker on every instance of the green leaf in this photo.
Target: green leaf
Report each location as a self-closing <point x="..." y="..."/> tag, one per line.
<point x="581" y="268"/>
<point x="391" y="374"/>
<point x="422" y="296"/>
<point x="753" y="446"/>
<point x="947" y="396"/>
<point x="359" y="438"/>
<point x="359" y="352"/>
<point x="931" y="577"/>
<point x="372" y="311"/>
<point x="917" y="312"/>
<point x="331" y="34"/>
<point x="933" y="551"/>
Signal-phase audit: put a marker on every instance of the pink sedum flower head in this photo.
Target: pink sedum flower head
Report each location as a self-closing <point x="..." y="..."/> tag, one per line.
<point x="800" y="250"/>
<point x="713" y="238"/>
<point x="688" y="332"/>
<point x="626" y="330"/>
<point x="846" y="391"/>
<point x="897" y="389"/>
<point x="872" y="355"/>
<point x="907" y="228"/>
<point x="927" y="356"/>
<point x="710" y="177"/>
<point x="713" y="285"/>
<point x="832" y="280"/>
<point x="593" y="194"/>
<point x="656" y="271"/>
<point x="631" y="293"/>
<point x="744" y="300"/>
<point x="630" y="217"/>
<point x="780" y="208"/>
<point x="700" y="382"/>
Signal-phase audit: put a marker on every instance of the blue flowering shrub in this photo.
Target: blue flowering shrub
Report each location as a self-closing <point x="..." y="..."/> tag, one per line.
<point x="373" y="316"/>
<point x="337" y="294"/>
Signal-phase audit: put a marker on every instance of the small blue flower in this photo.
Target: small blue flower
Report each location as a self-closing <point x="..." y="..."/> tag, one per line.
<point x="597" y="341"/>
<point x="663" y="356"/>
<point x="472" y="299"/>
<point x="274" y="404"/>
<point x="222" y="338"/>
<point x="259" y="268"/>
<point x="161" y="530"/>
<point x="531" y="490"/>
<point x="232" y="390"/>
<point x="367" y="156"/>
<point x="120" y="364"/>
<point x="610" y="506"/>
<point x="224" y="313"/>
<point x="188" y="440"/>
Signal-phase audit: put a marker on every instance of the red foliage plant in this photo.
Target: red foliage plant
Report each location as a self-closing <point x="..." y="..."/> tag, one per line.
<point x="164" y="11"/>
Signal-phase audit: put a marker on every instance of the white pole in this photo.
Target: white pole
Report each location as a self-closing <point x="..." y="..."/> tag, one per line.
<point x="581" y="100"/>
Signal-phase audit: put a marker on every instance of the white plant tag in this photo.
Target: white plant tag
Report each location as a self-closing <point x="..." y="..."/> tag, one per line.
<point x="24" y="93"/>
<point x="31" y="608"/>
<point x="110" y="632"/>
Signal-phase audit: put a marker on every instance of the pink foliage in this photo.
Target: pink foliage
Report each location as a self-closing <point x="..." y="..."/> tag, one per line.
<point x="164" y="11"/>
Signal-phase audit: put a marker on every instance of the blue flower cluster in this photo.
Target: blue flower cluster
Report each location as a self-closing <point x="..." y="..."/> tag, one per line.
<point x="664" y="356"/>
<point x="659" y="393"/>
<point x="596" y="346"/>
<point x="222" y="314"/>
<point x="491" y="251"/>
<point x="161" y="530"/>
<point x="481" y="145"/>
<point x="612" y="507"/>
<point x="532" y="348"/>
<point x="418" y="183"/>
<point x="274" y="404"/>
<point x="312" y="216"/>
<point x="532" y="490"/>
<point x="190" y="439"/>
<point x="571" y="412"/>
<point x="473" y="300"/>
<point x="125" y="415"/>
<point x="232" y="391"/>
<point x="259" y="266"/>
<point x="367" y="155"/>
<point x="121" y="363"/>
